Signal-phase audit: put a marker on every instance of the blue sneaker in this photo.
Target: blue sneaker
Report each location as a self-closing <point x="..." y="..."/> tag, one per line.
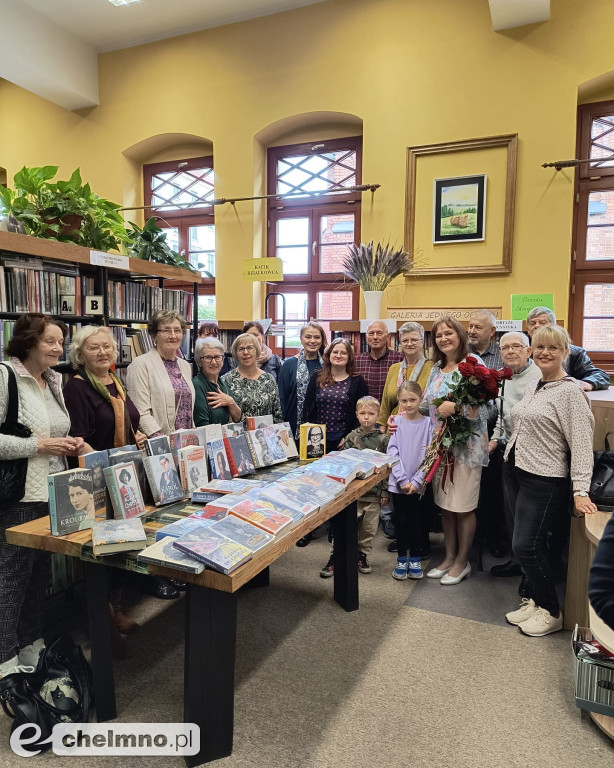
<point x="415" y="568"/>
<point x="400" y="572"/>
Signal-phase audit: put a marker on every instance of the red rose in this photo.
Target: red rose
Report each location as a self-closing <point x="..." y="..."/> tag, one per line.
<point x="481" y="372"/>
<point x="491" y="386"/>
<point x="506" y="373"/>
<point x="496" y="375"/>
<point x="471" y="360"/>
<point x="466" y="370"/>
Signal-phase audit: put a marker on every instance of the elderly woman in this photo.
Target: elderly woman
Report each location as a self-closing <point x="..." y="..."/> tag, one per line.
<point x="159" y="382"/>
<point x="213" y="404"/>
<point x="36" y="345"/>
<point x="267" y="360"/>
<point x="253" y="390"/>
<point x="414" y="367"/>
<point x="100" y="410"/>
<point x="296" y="372"/>
<point x="552" y="439"/>
<point x="459" y="499"/>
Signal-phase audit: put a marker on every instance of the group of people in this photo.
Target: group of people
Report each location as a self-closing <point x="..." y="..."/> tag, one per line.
<point x="381" y="399"/>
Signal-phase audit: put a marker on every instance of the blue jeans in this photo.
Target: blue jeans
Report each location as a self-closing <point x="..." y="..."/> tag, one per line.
<point x="539" y="501"/>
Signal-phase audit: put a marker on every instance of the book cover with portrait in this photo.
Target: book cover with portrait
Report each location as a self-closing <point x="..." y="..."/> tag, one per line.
<point x="124" y="489"/>
<point x="163" y="479"/>
<point x="71" y="501"/>
<point x="312" y="441"/>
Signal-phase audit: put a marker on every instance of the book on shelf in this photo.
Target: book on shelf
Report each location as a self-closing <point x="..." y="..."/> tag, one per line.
<point x="164" y="553"/>
<point x="215" y="550"/>
<point x="124" y="490"/>
<point x="257" y="422"/>
<point x="111" y="536"/>
<point x="312" y="441"/>
<point x="242" y="532"/>
<point x="239" y="456"/>
<point x="260" y="515"/>
<point x="71" y="501"/>
<point x="163" y="479"/>
<point x="192" y="467"/>
<point x="96" y="461"/>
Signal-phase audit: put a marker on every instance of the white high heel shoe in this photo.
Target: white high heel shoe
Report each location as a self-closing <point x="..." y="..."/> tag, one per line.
<point x="437" y="573"/>
<point x="448" y="580"/>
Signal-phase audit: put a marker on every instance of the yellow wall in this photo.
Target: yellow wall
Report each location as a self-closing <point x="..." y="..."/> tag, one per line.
<point x="413" y="73"/>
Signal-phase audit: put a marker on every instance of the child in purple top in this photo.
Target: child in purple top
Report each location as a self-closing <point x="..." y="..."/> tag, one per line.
<point x="409" y="442"/>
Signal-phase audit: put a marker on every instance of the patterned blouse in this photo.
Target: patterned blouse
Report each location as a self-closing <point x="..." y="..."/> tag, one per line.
<point x="183" y="395"/>
<point x="475" y="453"/>
<point x="331" y="404"/>
<point x="255" y="397"/>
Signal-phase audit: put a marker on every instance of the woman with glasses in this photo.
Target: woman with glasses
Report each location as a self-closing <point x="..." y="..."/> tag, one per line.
<point x="100" y="410"/>
<point x="213" y="403"/>
<point x="253" y="390"/>
<point x="413" y="367"/>
<point x="551" y="441"/>
<point x="159" y="382"/>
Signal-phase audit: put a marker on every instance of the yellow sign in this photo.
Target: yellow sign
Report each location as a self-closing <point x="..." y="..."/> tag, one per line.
<point x="260" y="270"/>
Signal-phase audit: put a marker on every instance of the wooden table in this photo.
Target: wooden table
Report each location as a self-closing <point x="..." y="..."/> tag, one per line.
<point x="210" y="616"/>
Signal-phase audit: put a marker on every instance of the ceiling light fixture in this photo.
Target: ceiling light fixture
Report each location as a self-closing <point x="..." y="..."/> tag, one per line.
<point x="123" y="2"/>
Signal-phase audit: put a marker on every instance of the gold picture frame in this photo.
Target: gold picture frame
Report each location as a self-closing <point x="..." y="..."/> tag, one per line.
<point x="507" y="142"/>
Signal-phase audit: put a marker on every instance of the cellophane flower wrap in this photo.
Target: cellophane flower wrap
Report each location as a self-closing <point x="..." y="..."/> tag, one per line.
<point x="474" y="385"/>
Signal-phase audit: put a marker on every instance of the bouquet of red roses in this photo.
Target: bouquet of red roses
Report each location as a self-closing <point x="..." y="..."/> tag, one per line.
<point x="474" y="385"/>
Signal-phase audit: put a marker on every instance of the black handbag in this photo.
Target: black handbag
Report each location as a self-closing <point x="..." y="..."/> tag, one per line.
<point x="13" y="471"/>
<point x="60" y="690"/>
<point x="602" y="482"/>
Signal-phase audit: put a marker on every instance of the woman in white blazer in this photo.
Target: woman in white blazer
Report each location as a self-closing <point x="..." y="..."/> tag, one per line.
<point x="159" y="383"/>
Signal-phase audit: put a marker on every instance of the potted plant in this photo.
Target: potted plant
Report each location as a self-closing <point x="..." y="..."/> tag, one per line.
<point x="67" y="211"/>
<point x="149" y="243"/>
<point x="374" y="268"/>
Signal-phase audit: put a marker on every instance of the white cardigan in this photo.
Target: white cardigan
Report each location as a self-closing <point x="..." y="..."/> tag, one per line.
<point x="32" y="412"/>
<point x="150" y="389"/>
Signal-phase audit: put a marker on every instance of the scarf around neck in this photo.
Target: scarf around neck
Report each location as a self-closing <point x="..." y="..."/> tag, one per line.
<point x="414" y="374"/>
<point x="123" y="427"/>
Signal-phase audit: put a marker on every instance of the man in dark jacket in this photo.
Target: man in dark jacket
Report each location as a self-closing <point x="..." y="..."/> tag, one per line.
<point x="578" y="365"/>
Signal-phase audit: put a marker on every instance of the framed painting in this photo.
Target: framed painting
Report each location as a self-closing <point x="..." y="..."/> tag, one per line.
<point x="446" y="205"/>
<point x="459" y="209"/>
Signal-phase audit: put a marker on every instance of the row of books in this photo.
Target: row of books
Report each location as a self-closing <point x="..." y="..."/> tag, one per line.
<point x="30" y="284"/>
<point x="136" y="300"/>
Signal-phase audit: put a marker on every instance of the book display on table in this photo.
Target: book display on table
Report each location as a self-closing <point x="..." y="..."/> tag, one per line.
<point x="163" y="479"/>
<point x="312" y="441"/>
<point x="124" y="490"/>
<point x="71" y="501"/>
<point x="112" y="536"/>
<point x="261" y="516"/>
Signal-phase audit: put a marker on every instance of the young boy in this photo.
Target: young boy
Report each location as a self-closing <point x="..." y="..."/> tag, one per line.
<point x="368" y="435"/>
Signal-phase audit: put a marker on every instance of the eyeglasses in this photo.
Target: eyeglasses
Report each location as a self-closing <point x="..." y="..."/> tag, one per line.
<point x="212" y="358"/>
<point x="551" y="348"/>
<point x="513" y="347"/>
<point x="171" y="331"/>
<point x="100" y="347"/>
<point x="246" y="349"/>
<point x="411" y="342"/>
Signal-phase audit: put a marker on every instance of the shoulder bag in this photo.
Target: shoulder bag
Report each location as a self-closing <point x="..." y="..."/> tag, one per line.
<point x="60" y="690"/>
<point x="13" y="471"/>
<point x="602" y="482"/>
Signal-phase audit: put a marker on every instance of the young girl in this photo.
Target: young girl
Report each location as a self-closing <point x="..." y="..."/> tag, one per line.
<point x="409" y="443"/>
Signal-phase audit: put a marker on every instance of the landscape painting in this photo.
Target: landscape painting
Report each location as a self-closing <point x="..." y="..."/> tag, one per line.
<point x="459" y="210"/>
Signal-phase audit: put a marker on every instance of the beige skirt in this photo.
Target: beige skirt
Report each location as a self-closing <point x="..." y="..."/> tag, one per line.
<point x="462" y="495"/>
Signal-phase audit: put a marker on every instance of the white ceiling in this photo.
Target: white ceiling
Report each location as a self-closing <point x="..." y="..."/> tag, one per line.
<point x="50" y="47"/>
<point x="108" y="28"/>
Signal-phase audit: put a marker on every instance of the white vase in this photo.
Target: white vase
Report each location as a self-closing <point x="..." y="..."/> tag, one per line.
<point x="373" y="304"/>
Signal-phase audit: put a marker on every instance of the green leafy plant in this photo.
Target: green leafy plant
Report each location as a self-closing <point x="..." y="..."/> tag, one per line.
<point x="375" y="267"/>
<point x="67" y="211"/>
<point x="149" y="243"/>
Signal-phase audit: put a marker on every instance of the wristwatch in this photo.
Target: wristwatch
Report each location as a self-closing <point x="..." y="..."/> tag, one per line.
<point x="580" y="493"/>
